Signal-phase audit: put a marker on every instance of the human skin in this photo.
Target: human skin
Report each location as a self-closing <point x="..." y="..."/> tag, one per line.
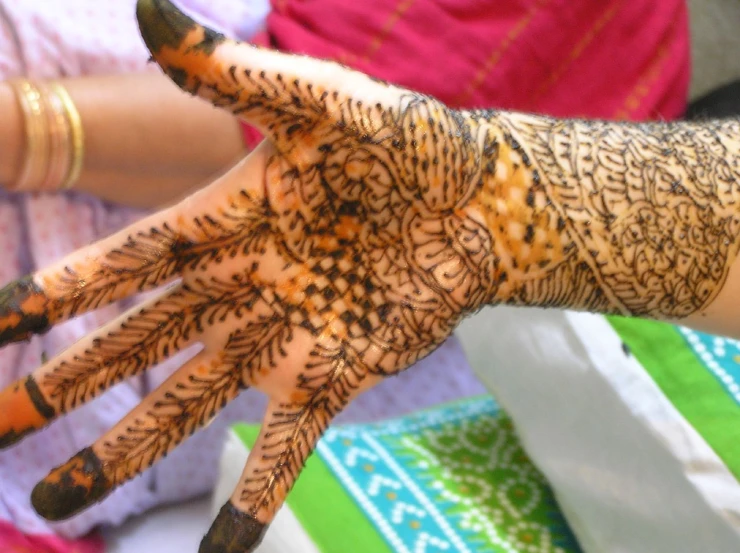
<point x="347" y="246"/>
<point x="146" y="143"/>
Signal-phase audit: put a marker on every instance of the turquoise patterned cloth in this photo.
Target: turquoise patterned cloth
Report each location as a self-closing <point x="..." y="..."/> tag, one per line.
<point x="451" y="479"/>
<point x="720" y="355"/>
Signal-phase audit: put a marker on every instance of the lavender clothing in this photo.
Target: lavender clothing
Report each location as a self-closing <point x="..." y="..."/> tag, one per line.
<point x="47" y="39"/>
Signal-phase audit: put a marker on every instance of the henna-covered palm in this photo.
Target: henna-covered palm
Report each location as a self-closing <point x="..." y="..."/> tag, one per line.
<point x="337" y="253"/>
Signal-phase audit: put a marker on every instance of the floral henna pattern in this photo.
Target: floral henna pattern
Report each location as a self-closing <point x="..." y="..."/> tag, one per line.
<point x="347" y="247"/>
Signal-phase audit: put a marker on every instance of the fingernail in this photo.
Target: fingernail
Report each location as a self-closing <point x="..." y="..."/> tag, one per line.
<point x="22" y="311"/>
<point x="71" y="487"/>
<point x="233" y="531"/>
<point x="163" y="24"/>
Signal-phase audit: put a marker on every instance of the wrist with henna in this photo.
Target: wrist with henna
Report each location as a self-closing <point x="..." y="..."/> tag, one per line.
<point x="633" y="219"/>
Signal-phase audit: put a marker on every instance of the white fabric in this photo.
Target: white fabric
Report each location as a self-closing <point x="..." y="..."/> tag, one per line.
<point x="173" y="529"/>
<point x="630" y="473"/>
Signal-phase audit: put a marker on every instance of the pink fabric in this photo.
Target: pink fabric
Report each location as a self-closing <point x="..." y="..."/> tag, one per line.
<point x="615" y="59"/>
<point x="13" y="540"/>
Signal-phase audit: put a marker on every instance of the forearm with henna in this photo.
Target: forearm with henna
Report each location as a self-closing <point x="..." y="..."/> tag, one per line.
<point x="634" y="219"/>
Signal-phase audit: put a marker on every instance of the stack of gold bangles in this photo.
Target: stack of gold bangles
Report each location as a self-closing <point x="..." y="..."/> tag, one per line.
<point x="55" y="140"/>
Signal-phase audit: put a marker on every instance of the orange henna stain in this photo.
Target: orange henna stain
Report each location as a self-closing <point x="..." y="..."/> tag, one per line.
<point x="187" y="232"/>
<point x="327" y="243"/>
<point x="300" y="397"/>
<point x="294" y="291"/>
<point x="357" y="169"/>
<point x="525" y="234"/>
<point x="210" y="367"/>
<point x="71" y="474"/>
<point x="35" y="304"/>
<point x="11" y="320"/>
<point x="348" y="228"/>
<point x="194" y="61"/>
<point x="18" y="414"/>
<point x="202" y="370"/>
<point x="309" y="140"/>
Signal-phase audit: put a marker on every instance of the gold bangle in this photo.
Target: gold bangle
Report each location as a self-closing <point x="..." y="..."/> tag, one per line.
<point x="77" y="135"/>
<point x="59" y="141"/>
<point x="36" y="160"/>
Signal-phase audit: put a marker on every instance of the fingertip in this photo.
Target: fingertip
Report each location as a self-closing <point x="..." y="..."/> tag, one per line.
<point x="233" y="531"/>
<point x="25" y="410"/>
<point x="71" y="488"/>
<point x="23" y="311"/>
<point x="162" y="24"/>
<point x="12" y="436"/>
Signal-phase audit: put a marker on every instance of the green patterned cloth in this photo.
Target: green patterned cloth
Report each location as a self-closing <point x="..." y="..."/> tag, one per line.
<point x="699" y="374"/>
<point x="449" y="479"/>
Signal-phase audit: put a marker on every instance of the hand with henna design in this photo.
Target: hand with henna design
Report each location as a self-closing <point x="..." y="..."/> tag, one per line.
<point x="348" y="246"/>
<point x="337" y="253"/>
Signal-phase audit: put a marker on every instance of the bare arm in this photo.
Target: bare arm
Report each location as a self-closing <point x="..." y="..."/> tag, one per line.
<point x="146" y="142"/>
